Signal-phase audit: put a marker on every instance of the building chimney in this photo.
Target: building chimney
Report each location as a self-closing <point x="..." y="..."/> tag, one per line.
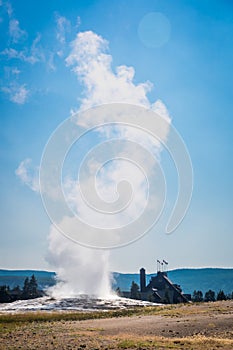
<point x="142" y="279"/>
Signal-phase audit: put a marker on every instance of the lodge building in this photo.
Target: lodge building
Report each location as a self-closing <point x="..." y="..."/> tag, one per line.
<point x="160" y="288"/>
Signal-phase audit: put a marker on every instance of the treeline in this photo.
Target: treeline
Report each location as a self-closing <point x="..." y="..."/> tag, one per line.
<point x="210" y="295"/>
<point x="197" y="295"/>
<point x="29" y="291"/>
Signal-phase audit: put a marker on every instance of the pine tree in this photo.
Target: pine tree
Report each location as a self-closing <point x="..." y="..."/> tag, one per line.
<point x="4" y="294"/>
<point x="33" y="287"/>
<point x="30" y="288"/>
<point x="25" y="293"/>
<point x="197" y="296"/>
<point x="210" y="295"/>
<point x="221" y="295"/>
<point x="134" y="291"/>
<point x="17" y="289"/>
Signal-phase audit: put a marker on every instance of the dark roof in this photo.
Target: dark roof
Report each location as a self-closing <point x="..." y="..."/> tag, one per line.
<point x="163" y="275"/>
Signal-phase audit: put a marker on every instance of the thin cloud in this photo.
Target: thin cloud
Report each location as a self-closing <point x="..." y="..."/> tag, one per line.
<point x="12" y="53"/>
<point x="17" y="93"/>
<point x="50" y="62"/>
<point x="28" y="174"/>
<point x="7" y="8"/>
<point x="32" y="55"/>
<point x="78" y="22"/>
<point x="15" y="32"/>
<point x="63" y="26"/>
<point x="11" y="72"/>
<point x="36" y="51"/>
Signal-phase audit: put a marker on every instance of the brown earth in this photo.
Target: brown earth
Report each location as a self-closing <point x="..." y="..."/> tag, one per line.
<point x="206" y="326"/>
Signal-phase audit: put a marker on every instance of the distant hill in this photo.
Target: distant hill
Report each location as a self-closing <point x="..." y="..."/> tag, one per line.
<point x="13" y="278"/>
<point x="189" y="279"/>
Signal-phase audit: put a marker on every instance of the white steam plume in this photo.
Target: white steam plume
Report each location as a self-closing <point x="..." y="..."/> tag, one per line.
<point x="84" y="270"/>
<point x="92" y="65"/>
<point x="80" y="270"/>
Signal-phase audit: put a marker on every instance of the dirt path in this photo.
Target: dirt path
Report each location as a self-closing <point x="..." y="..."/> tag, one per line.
<point x="221" y="326"/>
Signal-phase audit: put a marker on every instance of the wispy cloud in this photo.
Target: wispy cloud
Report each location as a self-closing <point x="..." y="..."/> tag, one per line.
<point x="50" y="62"/>
<point x="63" y="26"/>
<point x="8" y="8"/>
<point x="30" y="55"/>
<point x="6" y="5"/>
<point x="17" y="50"/>
<point x="11" y="71"/>
<point x="78" y="22"/>
<point x="24" y="52"/>
<point x="28" y="174"/>
<point x="17" y="93"/>
<point x="36" y="51"/>
<point x="12" y="53"/>
<point x="16" y="33"/>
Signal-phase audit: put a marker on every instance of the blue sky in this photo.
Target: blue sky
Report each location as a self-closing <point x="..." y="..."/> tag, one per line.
<point x="191" y="73"/>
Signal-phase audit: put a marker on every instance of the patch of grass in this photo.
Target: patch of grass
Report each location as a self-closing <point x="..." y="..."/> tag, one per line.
<point x="63" y="316"/>
<point x="127" y="343"/>
<point x="5" y="328"/>
<point x="166" y="310"/>
<point x="156" y="343"/>
<point x="195" y="343"/>
<point x="211" y="325"/>
<point x="42" y="316"/>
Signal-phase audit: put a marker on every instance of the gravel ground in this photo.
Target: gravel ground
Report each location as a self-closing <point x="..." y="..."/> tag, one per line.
<point x="206" y="326"/>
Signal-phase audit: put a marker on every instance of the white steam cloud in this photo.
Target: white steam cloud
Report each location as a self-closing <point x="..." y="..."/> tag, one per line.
<point x="82" y="269"/>
<point x="92" y="65"/>
<point x="79" y="269"/>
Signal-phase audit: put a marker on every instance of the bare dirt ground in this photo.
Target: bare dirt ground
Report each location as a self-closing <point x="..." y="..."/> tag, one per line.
<point x="206" y="326"/>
